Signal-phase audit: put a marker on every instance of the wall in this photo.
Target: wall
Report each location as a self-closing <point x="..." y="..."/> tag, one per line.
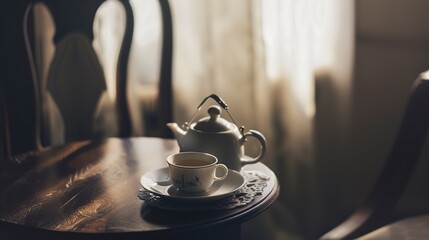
<point x="392" y="48"/>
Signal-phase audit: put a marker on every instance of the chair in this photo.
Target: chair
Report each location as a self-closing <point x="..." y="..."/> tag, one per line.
<point x="163" y="110"/>
<point x="3" y="127"/>
<point x="416" y="227"/>
<point x="377" y="209"/>
<point x="75" y="87"/>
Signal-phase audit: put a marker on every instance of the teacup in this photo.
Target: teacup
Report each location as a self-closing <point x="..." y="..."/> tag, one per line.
<point x="195" y="172"/>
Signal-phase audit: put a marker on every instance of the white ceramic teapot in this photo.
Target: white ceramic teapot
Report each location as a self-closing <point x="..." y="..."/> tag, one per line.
<point x="219" y="137"/>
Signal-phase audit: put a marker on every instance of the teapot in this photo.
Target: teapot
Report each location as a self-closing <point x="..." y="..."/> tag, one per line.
<point x="215" y="135"/>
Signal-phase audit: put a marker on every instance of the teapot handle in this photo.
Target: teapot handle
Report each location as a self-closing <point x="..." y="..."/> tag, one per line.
<point x="263" y="143"/>
<point x="215" y="97"/>
<point x="221" y="103"/>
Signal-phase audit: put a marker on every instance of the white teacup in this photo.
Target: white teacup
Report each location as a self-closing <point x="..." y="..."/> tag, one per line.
<point x="194" y="172"/>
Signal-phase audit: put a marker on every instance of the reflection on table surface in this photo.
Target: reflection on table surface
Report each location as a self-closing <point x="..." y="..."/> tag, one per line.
<point x="92" y="187"/>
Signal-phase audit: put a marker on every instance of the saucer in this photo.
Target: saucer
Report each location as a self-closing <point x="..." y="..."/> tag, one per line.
<point x="157" y="182"/>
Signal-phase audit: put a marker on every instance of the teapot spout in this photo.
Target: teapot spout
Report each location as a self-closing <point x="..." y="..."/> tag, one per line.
<point x="178" y="132"/>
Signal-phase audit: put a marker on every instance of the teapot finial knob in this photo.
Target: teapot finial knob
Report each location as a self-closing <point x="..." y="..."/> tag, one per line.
<point x="214" y="111"/>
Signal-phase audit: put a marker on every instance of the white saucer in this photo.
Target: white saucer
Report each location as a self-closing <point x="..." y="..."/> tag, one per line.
<point x="157" y="182"/>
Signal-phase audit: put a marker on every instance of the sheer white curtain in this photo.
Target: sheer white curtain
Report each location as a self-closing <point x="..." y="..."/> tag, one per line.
<point x="264" y="57"/>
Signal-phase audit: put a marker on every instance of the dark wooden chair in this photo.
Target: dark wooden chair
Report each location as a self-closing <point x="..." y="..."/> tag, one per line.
<point x="3" y="127"/>
<point x="75" y="81"/>
<point x="378" y="209"/>
<point x="163" y="110"/>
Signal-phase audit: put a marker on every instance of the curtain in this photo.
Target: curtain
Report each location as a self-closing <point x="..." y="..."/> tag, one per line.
<point x="267" y="59"/>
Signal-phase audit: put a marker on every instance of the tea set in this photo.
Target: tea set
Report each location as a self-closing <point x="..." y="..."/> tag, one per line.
<point x="212" y="153"/>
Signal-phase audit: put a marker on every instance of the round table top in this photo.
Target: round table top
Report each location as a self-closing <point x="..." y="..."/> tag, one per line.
<point x="92" y="187"/>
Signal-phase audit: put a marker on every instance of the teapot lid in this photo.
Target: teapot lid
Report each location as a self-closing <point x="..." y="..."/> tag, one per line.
<point x="214" y="123"/>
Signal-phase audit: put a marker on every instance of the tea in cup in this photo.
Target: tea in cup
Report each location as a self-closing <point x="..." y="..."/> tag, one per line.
<point x="195" y="172"/>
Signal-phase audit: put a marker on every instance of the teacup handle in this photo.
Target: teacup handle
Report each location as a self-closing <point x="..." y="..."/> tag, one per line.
<point x="224" y="172"/>
<point x="263" y="143"/>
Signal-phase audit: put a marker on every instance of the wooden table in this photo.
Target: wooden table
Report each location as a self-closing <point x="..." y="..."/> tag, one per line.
<point x="88" y="190"/>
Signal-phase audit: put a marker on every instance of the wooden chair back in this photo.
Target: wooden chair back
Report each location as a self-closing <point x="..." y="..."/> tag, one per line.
<point x="378" y="208"/>
<point x="75" y="83"/>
